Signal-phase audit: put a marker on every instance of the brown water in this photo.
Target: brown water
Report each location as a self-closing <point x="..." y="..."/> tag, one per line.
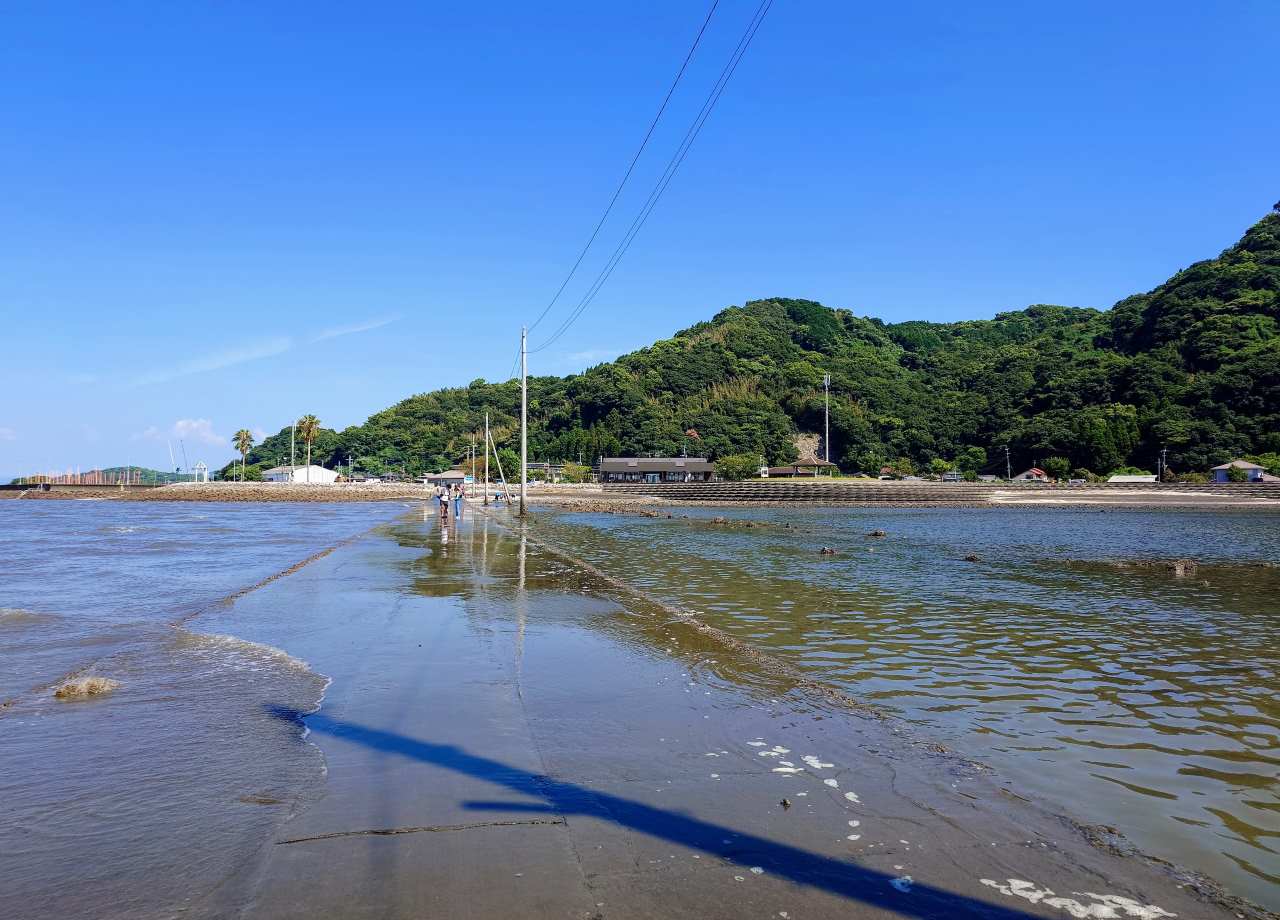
<point x="1122" y="694"/>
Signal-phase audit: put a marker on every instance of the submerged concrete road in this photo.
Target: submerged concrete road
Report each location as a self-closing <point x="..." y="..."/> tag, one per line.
<point x="503" y="739"/>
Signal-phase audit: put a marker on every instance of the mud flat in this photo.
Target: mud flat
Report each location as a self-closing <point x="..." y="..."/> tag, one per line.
<point x="507" y="734"/>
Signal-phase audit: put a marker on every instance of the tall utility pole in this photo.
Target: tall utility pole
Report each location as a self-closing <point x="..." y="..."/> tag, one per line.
<point x="1008" y="468"/>
<point x="524" y="417"/>
<point x="486" y="458"/>
<point x="1164" y="463"/>
<point x="826" y="417"/>
<point x="293" y="430"/>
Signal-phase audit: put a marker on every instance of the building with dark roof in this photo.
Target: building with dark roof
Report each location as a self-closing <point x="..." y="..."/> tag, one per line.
<point x="655" y="469"/>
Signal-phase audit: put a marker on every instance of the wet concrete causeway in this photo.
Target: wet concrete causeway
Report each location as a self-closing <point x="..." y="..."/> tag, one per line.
<point x="502" y="738"/>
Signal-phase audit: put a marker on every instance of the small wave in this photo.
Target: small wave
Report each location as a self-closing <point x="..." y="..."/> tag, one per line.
<point x="119" y="528"/>
<point x="250" y="652"/>
<point x="18" y="616"/>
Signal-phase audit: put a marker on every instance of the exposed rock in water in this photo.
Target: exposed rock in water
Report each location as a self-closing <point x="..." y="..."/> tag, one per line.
<point x="877" y="533"/>
<point x="973" y="557"/>
<point x="84" y="687"/>
<point x="1181" y="567"/>
<point x="826" y="551"/>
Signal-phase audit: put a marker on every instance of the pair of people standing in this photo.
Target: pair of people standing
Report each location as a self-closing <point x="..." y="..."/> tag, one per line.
<point x="445" y="495"/>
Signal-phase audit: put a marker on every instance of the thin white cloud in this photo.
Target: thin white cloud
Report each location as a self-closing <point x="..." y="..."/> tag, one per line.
<point x="217" y="360"/>
<point x="8" y="434"/>
<point x="366" y="326"/>
<point x="196" y="430"/>
<point x="240" y="354"/>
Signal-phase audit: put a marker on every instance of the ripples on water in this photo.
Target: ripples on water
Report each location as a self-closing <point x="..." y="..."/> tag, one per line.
<point x="1126" y="695"/>
<point x="126" y="805"/>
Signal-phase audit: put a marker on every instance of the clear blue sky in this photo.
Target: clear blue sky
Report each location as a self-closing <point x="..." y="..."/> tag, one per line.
<point x="224" y="215"/>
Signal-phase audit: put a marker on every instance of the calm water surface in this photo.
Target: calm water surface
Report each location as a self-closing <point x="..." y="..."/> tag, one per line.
<point x="1125" y="695"/>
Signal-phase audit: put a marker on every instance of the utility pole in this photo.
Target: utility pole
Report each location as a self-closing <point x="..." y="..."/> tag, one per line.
<point x="1164" y="463"/>
<point x="1008" y="468"/>
<point x="826" y="417"/>
<point x="293" y="430"/>
<point x="486" y="458"/>
<point x="524" y="417"/>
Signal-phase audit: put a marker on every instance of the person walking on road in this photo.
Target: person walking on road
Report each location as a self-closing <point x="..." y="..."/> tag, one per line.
<point x="457" y="503"/>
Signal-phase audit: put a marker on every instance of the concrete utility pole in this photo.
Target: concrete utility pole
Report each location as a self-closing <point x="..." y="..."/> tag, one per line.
<point x="1008" y="467"/>
<point x="486" y="458"/>
<point x="826" y="417"/>
<point x="524" y="417"/>
<point x="1164" y="463"/>
<point x="293" y="430"/>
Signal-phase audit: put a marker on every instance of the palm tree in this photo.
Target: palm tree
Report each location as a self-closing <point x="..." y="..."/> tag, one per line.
<point x="308" y="428"/>
<point x="243" y="441"/>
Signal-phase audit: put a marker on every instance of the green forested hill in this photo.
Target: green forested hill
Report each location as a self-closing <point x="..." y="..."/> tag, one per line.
<point x="1193" y="366"/>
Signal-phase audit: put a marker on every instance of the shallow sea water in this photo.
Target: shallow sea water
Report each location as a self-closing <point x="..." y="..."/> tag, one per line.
<point x="1121" y="694"/>
<point x="137" y="802"/>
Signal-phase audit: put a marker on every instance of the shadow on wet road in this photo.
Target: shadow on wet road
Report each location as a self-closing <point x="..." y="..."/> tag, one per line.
<point x="564" y="799"/>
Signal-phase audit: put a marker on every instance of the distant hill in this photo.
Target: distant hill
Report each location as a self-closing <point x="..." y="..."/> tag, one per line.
<point x="1193" y="365"/>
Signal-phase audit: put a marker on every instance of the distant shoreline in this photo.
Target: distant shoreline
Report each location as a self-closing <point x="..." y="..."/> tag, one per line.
<point x="595" y="498"/>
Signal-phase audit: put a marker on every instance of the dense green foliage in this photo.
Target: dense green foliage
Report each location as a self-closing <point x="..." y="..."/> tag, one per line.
<point x="1193" y="366"/>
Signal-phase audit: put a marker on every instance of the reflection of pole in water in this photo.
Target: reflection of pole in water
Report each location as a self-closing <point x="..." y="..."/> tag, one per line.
<point x="444" y="534"/>
<point x="484" y="550"/>
<point x="522" y="612"/>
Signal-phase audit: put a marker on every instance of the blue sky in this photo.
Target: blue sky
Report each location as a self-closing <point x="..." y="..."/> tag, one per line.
<point x="227" y="215"/>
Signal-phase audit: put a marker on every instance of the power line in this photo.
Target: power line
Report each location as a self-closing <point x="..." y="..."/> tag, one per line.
<point x="673" y="166"/>
<point x="630" y="168"/>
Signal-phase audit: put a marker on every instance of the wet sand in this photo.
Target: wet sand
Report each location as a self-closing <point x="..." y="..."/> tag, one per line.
<point x="506" y="736"/>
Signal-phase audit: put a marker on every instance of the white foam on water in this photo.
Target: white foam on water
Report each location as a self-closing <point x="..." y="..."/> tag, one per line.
<point x="781" y="750"/>
<point x="853" y="837"/>
<point x="853" y="797"/>
<point x="250" y="652"/>
<point x="832" y="783"/>
<point x="815" y="763"/>
<point x="855" y="823"/>
<point x="787" y="770"/>
<point x="903" y="883"/>
<point x="757" y="870"/>
<point x="1104" y="906"/>
<point x="758" y="743"/>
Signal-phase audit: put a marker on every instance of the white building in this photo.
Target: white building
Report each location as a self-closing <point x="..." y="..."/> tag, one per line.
<point x="1124" y="477"/>
<point x="315" y="475"/>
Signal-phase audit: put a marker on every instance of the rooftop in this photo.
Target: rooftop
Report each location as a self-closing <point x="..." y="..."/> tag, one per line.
<point x="655" y="464"/>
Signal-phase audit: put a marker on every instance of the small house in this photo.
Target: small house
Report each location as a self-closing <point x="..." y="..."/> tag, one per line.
<point x="1035" y="474"/>
<point x="1252" y="472"/>
<point x="801" y="468"/>
<point x="448" y="478"/>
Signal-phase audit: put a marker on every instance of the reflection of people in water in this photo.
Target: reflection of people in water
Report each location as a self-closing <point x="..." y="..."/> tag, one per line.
<point x="444" y="535"/>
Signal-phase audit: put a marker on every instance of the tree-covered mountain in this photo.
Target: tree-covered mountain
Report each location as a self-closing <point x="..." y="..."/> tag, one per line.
<point x="1192" y="366"/>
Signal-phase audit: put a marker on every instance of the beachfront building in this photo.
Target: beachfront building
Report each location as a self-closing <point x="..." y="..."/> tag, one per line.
<point x="448" y="478"/>
<point x="1126" y="477"/>
<point x="655" y="469"/>
<point x="809" y="468"/>
<point x="315" y="475"/>
<point x="1252" y="472"/>
<point x="1035" y="474"/>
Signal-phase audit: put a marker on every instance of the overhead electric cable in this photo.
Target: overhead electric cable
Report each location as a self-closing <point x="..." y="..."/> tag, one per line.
<point x="630" y="168"/>
<point x="665" y="180"/>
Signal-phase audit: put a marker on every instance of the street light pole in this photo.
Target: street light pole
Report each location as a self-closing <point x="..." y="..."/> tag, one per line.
<point x="826" y="417"/>
<point x="486" y="458"/>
